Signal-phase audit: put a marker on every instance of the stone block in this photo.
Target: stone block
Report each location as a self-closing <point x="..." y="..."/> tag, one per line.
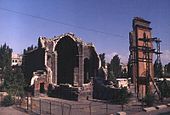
<point x="121" y="113"/>
<point x="161" y="106"/>
<point x="148" y="109"/>
<point x="168" y="104"/>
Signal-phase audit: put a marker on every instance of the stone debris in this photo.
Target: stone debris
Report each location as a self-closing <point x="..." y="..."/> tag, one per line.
<point x="121" y="113"/>
<point x="161" y="106"/>
<point x="148" y="109"/>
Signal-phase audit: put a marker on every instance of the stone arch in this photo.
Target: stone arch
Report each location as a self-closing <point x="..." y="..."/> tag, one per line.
<point x="67" y="60"/>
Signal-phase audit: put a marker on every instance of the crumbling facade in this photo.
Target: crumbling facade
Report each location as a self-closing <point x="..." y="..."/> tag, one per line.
<point x="66" y="59"/>
<point x="141" y="55"/>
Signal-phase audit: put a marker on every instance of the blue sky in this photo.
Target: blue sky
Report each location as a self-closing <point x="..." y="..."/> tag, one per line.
<point x="105" y="23"/>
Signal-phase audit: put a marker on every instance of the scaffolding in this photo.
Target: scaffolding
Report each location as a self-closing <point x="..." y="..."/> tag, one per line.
<point x="147" y="52"/>
<point x="158" y="55"/>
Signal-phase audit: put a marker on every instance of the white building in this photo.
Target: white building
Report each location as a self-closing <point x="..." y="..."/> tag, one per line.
<point x="122" y="82"/>
<point x="16" y="59"/>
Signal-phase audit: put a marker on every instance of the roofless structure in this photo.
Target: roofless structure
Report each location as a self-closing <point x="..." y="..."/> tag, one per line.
<point x="64" y="59"/>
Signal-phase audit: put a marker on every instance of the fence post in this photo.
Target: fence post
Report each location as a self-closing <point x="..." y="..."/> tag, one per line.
<point x="1" y="99"/>
<point x="90" y="108"/>
<point x="106" y="108"/>
<point x="40" y="106"/>
<point x="69" y="109"/>
<point x="62" y="108"/>
<point x="27" y="102"/>
<point x="50" y="107"/>
<point x="31" y="104"/>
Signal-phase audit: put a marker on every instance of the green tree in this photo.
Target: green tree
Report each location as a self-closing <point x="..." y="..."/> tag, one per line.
<point x="121" y="96"/>
<point x="124" y="73"/>
<point x="102" y="58"/>
<point x="5" y="56"/>
<point x="13" y="77"/>
<point x="19" y="81"/>
<point x="110" y="72"/>
<point x="7" y="101"/>
<point x="158" y="72"/>
<point x="8" y="79"/>
<point x="5" y="61"/>
<point x="14" y="82"/>
<point x="129" y="69"/>
<point x="149" y="99"/>
<point x="164" y="87"/>
<point x="115" y="68"/>
<point x="167" y="70"/>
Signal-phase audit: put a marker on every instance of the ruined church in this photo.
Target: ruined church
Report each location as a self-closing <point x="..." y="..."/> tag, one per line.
<point x="64" y="59"/>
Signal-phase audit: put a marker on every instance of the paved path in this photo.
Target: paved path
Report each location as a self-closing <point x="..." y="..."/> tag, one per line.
<point x="130" y="110"/>
<point x="11" y="111"/>
<point x="165" y="111"/>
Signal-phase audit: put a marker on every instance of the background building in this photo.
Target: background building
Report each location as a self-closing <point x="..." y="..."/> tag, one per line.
<point x="16" y="59"/>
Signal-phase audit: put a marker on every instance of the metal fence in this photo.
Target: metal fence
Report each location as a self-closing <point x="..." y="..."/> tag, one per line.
<point x="55" y="107"/>
<point x="49" y="107"/>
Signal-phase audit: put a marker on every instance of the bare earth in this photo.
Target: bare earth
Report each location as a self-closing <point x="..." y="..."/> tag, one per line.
<point x="11" y="111"/>
<point x="15" y="111"/>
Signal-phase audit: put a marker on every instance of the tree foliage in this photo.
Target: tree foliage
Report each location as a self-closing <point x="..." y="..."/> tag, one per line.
<point x="102" y="58"/>
<point x="124" y="73"/>
<point x="13" y="77"/>
<point x="7" y="101"/>
<point x="129" y="69"/>
<point x="5" y="57"/>
<point x="18" y="83"/>
<point x="5" y="61"/>
<point x="158" y="72"/>
<point x="164" y="87"/>
<point x="14" y="82"/>
<point x="114" y="68"/>
<point x="110" y="72"/>
<point x="149" y="99"/>
<point x="167" y="70"/>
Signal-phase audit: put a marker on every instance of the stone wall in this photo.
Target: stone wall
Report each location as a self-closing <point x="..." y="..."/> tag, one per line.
<point x="63" y="58"/>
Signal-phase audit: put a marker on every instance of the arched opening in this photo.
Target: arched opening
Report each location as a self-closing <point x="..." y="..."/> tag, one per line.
<point x="94" y="63"/>
<point x="49" y="61"/>
<point x="67" y="60"/>
<point x="42" y="89"/>
<point x="86" y="70"/>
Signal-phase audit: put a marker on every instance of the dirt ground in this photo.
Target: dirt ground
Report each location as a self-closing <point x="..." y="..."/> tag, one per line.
<point x="11" y="111"/>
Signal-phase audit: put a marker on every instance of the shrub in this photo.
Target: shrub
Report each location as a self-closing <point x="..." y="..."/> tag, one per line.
<point x="149" y="99"/>
<point x="7" y="101"/>
<point x="50" y="90"/>
<point x="164" y="88"/>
